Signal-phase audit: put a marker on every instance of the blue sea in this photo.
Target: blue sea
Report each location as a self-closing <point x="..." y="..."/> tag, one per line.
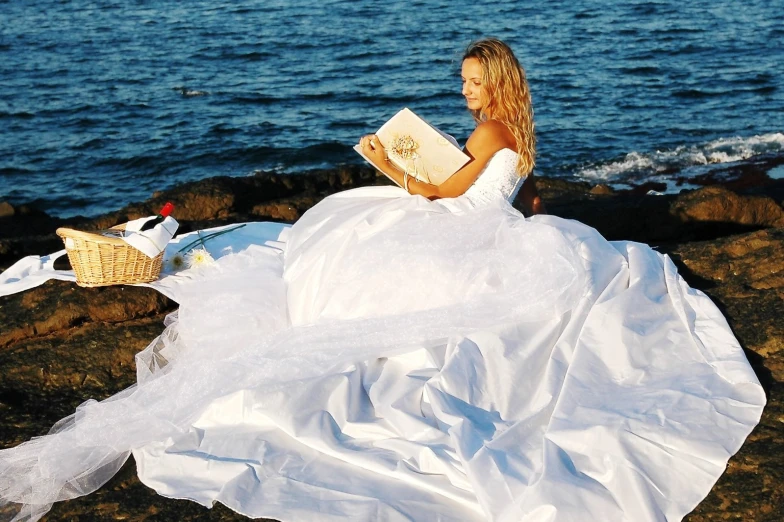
<point x="104" y="102"/>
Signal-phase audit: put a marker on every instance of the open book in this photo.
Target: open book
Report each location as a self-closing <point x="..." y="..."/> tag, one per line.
<point x="416" y="147"/>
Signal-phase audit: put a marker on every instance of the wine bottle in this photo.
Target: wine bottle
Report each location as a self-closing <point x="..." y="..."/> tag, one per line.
<point x="165" y="211"/>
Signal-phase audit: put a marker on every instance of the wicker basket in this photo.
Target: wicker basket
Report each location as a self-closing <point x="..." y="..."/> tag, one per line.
<point x="99" y="260"/>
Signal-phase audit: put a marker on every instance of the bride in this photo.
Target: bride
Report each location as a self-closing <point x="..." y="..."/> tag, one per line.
<point x="497" y="95"/>
<point x="398" y="357"/>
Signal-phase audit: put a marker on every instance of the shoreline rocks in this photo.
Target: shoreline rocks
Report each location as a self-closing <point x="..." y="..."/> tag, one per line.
<point x="61" y="344"/>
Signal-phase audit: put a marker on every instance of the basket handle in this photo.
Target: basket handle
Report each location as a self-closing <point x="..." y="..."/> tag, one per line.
<point x="66" y="233"/>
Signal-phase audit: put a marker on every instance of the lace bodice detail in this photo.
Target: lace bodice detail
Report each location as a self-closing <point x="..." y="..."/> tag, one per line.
<point x="498" y="180"/>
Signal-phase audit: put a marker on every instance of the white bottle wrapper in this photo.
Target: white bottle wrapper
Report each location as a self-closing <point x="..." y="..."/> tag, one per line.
<point x="150" y="242"/>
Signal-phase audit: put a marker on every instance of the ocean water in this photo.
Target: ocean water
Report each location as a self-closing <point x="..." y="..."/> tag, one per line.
<point x="104" y="102"/>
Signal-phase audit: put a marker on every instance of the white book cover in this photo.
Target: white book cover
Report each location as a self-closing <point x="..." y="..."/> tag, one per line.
<point x="414" y="145"/>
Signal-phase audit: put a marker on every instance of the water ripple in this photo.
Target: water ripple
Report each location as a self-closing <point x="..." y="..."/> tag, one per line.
<point x="117" y="99"/>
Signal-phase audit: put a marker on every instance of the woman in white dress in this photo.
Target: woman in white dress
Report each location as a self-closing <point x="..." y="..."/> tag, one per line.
<point x="497" y="94"/>
<point x="397" y="357"/>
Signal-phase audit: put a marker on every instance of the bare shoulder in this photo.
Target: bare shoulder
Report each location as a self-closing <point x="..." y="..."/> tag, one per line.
<point x="491" y="129"/>
<point x="488" y="138"/>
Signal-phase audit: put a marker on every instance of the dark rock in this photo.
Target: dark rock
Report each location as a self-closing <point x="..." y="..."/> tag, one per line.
<point x="601" y="190"/>
<point x="645" y="188"/>
<point x="720" y="205"/>
<point x="706" y="213"/>
<point x="27" y="231"/>
<point x="45" y="377"/>
<point x="285" y="212"/>
<point x="58" y="306"/>
<point x="623" y="216"/>
<point x="744" y="276"/>
<point x="6" y="210"/>
<point x="554" y="188"/>
<point x="750" y="174"/>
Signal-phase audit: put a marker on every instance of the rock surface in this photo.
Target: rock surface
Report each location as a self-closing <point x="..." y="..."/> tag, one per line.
<point x="61" y="344"/>
<point x="744" y="275"/>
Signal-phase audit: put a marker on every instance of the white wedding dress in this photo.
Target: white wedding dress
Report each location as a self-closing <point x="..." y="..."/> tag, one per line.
<point x="395" y="358"/>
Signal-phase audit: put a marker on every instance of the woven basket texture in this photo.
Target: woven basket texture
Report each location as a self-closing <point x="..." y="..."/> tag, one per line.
<point x="98" y="260"/>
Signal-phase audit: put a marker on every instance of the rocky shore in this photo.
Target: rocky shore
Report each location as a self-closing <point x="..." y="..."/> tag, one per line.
<point x="61" y="344"/>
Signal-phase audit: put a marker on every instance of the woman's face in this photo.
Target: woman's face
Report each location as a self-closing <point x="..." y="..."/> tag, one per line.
<point x="472" y="84"/>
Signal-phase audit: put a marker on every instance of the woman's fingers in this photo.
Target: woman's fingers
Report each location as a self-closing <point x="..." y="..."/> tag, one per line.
<point x="368" y="140"/>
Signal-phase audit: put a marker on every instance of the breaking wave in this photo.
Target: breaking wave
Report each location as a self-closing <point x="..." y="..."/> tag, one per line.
<point x="637" y="165"/>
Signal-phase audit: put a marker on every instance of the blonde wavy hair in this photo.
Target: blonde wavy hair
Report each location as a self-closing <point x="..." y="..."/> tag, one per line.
<point x="507" y="97"/>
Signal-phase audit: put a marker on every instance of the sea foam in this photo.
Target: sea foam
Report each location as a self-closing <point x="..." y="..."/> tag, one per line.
<point x="637" y="165"/>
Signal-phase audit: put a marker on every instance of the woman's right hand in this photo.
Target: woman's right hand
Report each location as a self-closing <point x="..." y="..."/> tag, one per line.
<point x="372" y="148"/>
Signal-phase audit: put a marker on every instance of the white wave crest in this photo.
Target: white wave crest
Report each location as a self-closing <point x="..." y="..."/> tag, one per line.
<point x="723" y="150"/>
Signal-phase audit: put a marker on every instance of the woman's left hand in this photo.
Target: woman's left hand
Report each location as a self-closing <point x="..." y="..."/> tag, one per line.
<point x="372" y="148"/>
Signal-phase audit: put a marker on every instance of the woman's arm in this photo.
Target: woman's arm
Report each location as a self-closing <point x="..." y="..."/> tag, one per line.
<point x="529" y="197"/>
<point x="488" y="138"/>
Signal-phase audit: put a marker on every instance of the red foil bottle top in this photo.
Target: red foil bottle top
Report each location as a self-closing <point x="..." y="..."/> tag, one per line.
<point x="167" y="209"/>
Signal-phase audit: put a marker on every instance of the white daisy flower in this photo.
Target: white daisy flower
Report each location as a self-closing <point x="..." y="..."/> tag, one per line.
<point x="199" y="257"/>
<point x="177" y="262"/>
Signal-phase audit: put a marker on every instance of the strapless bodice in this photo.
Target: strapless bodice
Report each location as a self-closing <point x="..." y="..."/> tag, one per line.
<point x="498" y="180"/>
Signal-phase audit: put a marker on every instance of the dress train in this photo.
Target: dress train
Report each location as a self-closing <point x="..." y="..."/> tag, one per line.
<point x="402" y="359"/>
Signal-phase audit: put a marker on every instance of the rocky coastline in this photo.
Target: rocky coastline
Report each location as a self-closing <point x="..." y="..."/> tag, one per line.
<point x="61" y="344"/>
